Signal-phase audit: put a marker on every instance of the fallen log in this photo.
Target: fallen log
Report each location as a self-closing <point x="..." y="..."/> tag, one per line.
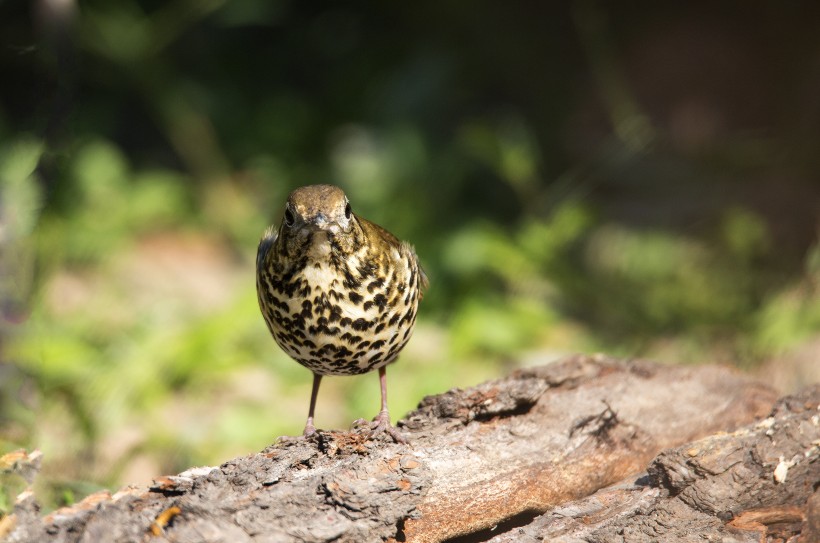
<point x="759" y="483"/>
<point x="502" y="452"/>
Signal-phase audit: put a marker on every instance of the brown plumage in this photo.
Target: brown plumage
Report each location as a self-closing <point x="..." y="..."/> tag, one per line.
<point x="338" y="292"/>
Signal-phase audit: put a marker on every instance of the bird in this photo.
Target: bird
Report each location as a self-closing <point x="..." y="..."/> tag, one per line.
<point x="339" y="293"/>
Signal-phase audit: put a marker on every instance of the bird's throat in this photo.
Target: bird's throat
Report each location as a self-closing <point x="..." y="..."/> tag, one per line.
<point x="319" y="249"/>
<point x="317" y="270"/>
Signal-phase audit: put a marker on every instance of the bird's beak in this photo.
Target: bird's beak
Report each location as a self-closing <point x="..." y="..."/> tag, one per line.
<point x="322" y="222"/>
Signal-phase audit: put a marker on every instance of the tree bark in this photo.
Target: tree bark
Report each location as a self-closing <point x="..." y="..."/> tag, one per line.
<point x="532" y="450"/>
<point x="759" y="483"/>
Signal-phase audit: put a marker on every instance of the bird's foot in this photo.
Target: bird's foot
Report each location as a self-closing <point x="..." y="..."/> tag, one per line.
<point x="358" y="424"/>
<point x="381" y="424"/>
<point x="309" y="430"/>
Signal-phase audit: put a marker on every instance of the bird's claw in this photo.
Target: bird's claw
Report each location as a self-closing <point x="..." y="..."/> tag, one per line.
<point x="381" y="424"/>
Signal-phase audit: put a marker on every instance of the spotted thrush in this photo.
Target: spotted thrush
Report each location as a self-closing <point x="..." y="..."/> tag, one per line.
<point x="338" y="292"/>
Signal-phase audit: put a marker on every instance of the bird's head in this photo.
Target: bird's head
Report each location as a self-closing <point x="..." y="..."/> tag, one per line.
<point x="318" y="207"/>
<point x="317" y="220"/>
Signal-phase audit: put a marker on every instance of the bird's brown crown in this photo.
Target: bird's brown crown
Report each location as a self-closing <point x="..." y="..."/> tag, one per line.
<point x="317" y="204"/>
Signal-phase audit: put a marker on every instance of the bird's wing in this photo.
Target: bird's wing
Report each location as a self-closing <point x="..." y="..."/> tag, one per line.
<point x="374" y="229"/>
<point x="265" y="244"/>
<point x="424" y="282"/>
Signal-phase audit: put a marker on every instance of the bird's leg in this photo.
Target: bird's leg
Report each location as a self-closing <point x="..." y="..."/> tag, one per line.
<point x="382" y="421"/>
<point x="309" y="428"/>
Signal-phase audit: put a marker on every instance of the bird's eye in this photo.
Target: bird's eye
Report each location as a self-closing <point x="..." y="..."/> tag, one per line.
<point x="348" y="211"/>
<point x="289" y="219"/>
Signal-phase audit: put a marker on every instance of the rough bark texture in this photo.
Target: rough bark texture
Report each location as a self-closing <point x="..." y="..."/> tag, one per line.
<point x="499" y="453"/>
<point x="759" y="483"/>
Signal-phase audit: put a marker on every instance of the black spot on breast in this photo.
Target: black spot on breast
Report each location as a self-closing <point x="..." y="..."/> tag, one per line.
<point x="335" y="313"/>
<point x="297" y="322"/>
<point x="378" y="328"/>
<point x="276" y="302"/>
<point x="360" y="324"/>
<point x="343" y="352"/>
<point x="408" y="315"/>
<point x="355" y="297"/>
<point x="290" y="288"/>
<point x="326" y="349"/>
<point x="376" y="345"/>
<point x="323" y="329"/>
<point x="373" y="285"/>
<point x="380" y="300"/>
<point x="366" y="270"/>
<point x="346" y="321"/>
<point x="350" y="338"/>
<point x="351" y="282"/>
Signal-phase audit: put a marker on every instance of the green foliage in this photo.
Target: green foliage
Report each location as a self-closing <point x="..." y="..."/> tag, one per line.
<point x="20" y="202"/>
<point x="791" y="315"/>
<point x="21" y="196"/>
<point x="109" y="205"/>
<point x="663" y="282"/>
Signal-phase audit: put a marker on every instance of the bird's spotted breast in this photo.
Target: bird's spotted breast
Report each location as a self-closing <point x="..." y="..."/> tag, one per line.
<point x="342" y="316"/>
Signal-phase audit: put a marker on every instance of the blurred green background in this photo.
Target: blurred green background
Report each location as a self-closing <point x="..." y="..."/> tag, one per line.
<point x="639" y="179"/>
